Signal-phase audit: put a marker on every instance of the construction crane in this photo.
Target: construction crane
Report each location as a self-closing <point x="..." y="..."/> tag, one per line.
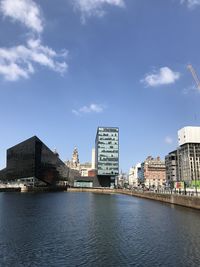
<point x="196" y="78"/>
<point x="194" y="75"/>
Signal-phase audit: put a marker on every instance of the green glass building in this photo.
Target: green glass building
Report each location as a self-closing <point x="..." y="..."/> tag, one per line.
<point x="107" y="151"/>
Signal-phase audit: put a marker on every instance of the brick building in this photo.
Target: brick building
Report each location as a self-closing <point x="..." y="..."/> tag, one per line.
<point x="153" y="172"/>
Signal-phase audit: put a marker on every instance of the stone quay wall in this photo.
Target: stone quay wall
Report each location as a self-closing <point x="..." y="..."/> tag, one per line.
<point x="92" y="190"/>
<point x="181" y="200"/>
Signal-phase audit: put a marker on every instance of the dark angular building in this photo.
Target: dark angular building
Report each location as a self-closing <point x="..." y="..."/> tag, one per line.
<point x="33" y="159"/>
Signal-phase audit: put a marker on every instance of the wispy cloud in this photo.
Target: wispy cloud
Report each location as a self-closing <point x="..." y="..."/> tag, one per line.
<point x="191" y="3"/>
<point x="19" y="61"/>
<point x="190" y="89"/>
<point x="26" y="12"/>
<point x="92" y="108"/>
<point x="89" y="8"/>
<point x="168" y="140"/>
<point x="161" y="77"/>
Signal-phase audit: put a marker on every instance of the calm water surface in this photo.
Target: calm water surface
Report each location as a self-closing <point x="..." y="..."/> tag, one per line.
<point x="86" y="229"/>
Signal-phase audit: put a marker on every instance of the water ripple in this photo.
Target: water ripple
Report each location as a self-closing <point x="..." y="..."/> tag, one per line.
<point x="85" y="229"/>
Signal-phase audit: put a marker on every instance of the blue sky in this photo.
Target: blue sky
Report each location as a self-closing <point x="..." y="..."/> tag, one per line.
<point x="69" y="66"/>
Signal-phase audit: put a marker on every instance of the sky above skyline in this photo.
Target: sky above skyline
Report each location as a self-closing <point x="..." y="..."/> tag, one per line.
<point x="71" y="66"/>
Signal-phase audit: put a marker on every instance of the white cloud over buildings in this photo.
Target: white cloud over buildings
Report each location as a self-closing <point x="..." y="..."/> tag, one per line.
<point x="92" y="108"/>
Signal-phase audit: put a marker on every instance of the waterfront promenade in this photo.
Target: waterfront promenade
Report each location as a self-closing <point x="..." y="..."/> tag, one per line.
<point x="176" y="199"/>
<point x="191" y="201"/>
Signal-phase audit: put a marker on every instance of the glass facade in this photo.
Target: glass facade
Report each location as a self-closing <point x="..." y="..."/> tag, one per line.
<point x="107" y="151"/>
<point x="83" y="184"/>
<point x="32" y="158"/>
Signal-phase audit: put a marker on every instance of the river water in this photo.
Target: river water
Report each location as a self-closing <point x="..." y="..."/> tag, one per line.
<point x="86" y="229"/>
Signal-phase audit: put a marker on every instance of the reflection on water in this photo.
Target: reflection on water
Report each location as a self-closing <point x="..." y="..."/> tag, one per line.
<point x="85" y="229"/>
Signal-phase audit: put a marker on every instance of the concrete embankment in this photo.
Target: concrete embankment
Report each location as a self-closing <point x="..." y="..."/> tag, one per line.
<point x="44" y="189"/>
<point x="93" y="190"/>
<point x="10" y="189"/>
<point x="181" y="200"/>
<point x="186" y="201"/>
<point x="26" y="189"/>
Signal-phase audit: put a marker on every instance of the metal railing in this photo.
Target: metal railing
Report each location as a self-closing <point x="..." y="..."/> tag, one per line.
<point x="185" y="192"/>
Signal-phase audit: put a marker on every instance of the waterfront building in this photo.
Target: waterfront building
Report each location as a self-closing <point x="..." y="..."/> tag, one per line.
<point x="87" y="174"/>
<point x="92" y="173"/>
<point x="74" y="162"/>
<point x="132" y="180"/>
<point x="189" y="135"/>
<point x="82" y="168"/>
<point x="33" y="163"/>
<point x="87" y="181"/>
<point x="121" y="180"/>
<point x="85" y="168"/>
<point x="107" y="154"/>
<point x="134" y="175"/>
<point x="153" y="172"/>
<point x="93" y="159"/>
<point x="186" y="159"/>
<point x="171" y="167"/>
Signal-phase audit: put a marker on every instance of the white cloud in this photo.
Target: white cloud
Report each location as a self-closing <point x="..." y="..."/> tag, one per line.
<point x="92" y="108"/>
<point x="19" y="61"/>
<point x="190" y="89"/>
<point x="164" y="76"/>
<point x="168" y="140"/>
<point x="75" y="112"/>
<point x="191" y="3"/>
<point x="89" y="8"/>
<point x="25" y="11"/>
<point x="13" y="72"/>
